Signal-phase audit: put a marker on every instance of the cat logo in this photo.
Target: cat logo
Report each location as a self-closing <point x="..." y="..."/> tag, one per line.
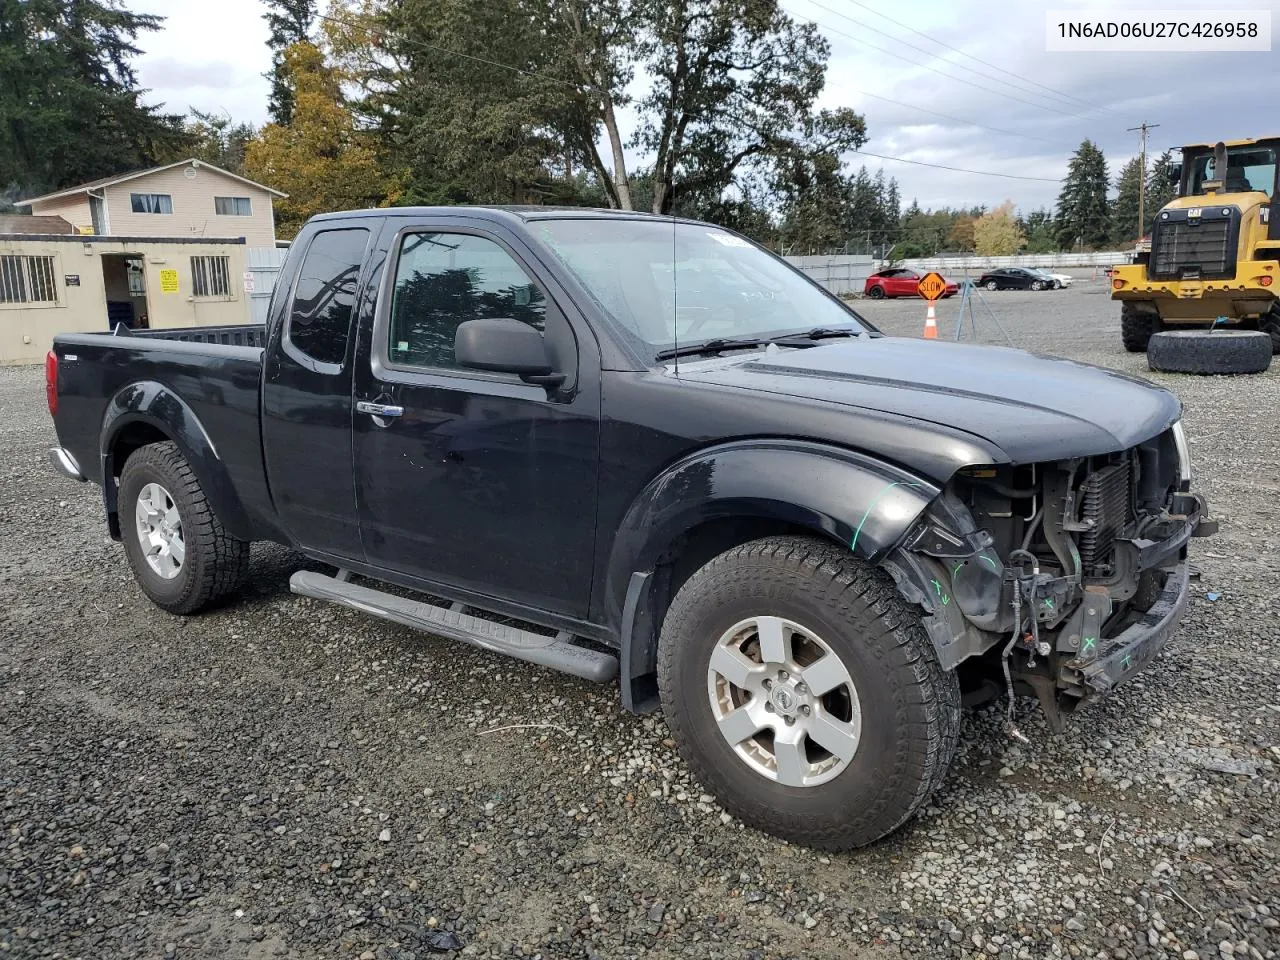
<point x="1193" y="213"/>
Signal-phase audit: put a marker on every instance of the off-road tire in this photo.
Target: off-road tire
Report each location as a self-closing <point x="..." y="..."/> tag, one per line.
<point x="215" y="564"/>
<point x="910" y="705"/>
<point x="1137" y="326"/>
<point x="1269" y="323"/>
<point x="1210" y="351"/>
<point x="876" y="293"/>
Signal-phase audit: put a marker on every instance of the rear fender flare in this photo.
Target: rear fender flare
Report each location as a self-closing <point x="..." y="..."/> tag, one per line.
<point x="154" y="404"/>
<point x="865" y="503"/>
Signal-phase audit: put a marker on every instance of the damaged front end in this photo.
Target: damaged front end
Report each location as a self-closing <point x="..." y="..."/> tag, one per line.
<point x="1061" y="579"/>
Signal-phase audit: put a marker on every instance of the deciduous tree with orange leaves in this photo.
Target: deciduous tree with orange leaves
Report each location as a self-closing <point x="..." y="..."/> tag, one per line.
<point x="321" y="159"/>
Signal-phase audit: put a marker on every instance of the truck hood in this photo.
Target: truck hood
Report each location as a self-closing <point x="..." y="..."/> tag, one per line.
<point x="1034" y="408"/>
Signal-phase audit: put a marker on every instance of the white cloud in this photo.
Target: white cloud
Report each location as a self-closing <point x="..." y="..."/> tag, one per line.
<point x="212" y="56"/>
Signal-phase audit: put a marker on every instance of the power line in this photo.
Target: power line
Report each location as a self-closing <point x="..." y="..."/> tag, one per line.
<point x="976" y="59"/>
<point x="927" y="53"/>
<point x="933" y="69"/>
<point x="943" y="166"/>
<point x="970" y="123"/>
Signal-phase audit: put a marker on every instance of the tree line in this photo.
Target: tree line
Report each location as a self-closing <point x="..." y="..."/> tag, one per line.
<point x="392" y="102"/>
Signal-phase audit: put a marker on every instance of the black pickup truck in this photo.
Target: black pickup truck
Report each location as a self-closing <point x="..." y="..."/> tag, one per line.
<point x="626" y="446"/>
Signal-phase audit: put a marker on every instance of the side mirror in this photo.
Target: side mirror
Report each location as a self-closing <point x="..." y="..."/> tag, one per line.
<point x="1173" y="174"/>
<point x="505" y="345"/>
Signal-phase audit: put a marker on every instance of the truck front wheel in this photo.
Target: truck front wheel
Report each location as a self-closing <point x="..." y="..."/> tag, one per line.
<point x="805" y="694"/>
<point x="1137" y="325"/>
<point x="181" y="555"/>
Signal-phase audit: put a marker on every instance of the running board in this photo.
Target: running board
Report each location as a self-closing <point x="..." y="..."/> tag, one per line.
<point x="457" y="623"/>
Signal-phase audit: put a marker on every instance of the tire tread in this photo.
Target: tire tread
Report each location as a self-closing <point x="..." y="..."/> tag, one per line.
<point x="929" y="707"/>
<point x="220" y="561"/>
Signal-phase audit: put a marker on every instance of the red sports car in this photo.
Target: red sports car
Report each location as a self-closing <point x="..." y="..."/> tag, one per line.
<point x="898" y="282"/>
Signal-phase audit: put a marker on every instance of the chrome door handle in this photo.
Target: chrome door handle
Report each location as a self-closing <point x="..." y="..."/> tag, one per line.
<point x="379" y="409"/>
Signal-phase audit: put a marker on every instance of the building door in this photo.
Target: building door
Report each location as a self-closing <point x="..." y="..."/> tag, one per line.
<point x="124" y="281"/>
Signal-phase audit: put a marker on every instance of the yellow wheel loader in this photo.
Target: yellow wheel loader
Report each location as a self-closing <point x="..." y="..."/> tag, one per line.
<point x="1215" y="250"/>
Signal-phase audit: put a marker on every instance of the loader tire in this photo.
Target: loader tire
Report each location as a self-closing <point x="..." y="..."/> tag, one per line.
<point x="1137" y="326"/>
<point x="1269" y="323"/>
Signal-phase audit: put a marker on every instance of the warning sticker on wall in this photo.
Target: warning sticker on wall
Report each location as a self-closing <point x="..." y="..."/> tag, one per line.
<point x="168" y="281"/>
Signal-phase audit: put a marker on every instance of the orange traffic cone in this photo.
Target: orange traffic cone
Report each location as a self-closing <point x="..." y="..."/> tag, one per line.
<point x="931" y="324"/>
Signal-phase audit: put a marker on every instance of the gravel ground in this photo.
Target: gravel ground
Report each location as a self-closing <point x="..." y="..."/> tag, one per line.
<point x="282" y="778"/>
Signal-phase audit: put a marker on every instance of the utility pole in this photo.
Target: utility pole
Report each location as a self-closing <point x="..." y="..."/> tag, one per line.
<point x="1142" y="182"/>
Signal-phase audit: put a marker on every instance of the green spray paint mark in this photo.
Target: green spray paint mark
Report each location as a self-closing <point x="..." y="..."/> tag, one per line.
<point x="994" y="566"/>
<point x="937" y="587"/>
<point x="1089" y="644"/>
<point x="955" y="571"/>
<point x="853" y="544"/>
<point x="1047" y="603"/>
<point x="1127" y="661"/>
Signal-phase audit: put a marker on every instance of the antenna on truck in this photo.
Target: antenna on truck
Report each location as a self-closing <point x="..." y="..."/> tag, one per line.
<point x="675" y="285"/>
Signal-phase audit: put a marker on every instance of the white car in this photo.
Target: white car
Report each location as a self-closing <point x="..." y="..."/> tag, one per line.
<point x="1061" y="280"/>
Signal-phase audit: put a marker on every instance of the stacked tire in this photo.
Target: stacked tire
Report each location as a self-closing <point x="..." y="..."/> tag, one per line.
<point x="1209" y="352"/>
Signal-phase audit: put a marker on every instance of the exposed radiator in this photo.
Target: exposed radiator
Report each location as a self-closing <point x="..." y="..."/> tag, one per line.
<point x="1202" y="247"/>
<point x="1104" y="499"/>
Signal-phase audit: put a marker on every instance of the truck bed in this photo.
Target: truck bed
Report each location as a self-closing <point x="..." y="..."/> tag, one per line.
<point x="235" y="335"/>
<point x="215" y="371"/>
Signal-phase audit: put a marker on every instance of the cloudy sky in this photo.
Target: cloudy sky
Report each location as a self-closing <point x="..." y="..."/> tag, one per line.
<point x="1021" y="112"/>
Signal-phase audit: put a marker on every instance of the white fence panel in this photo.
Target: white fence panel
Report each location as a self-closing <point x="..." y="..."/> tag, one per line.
<point x="264" y="268"/>
<point x="839" y="274"/>
<point x="959" y="265"/>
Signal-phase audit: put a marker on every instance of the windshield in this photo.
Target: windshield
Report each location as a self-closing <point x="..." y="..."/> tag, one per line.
<point x="1248" y="168"/>
<point x="666" y="283"/>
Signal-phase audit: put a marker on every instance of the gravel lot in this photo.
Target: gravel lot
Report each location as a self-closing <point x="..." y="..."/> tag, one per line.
<point x="282" y="778"/>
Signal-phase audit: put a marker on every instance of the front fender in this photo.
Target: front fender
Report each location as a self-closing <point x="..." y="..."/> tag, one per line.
<point x="860" y="501"/>
<point x="154" y="404"/>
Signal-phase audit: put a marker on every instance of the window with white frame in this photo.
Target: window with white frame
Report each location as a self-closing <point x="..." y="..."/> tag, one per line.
<point x="151" y="203"/>
<point x="26" y="279"/>
<point x="211" y="276"/>
<point x="232" y="206"/>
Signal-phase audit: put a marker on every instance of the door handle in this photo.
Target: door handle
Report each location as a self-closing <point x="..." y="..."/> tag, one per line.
<point x="379" y="409"/>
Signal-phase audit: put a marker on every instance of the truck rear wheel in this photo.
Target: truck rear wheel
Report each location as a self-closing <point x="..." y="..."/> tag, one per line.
<point x="1137" y="326"/>
<point x="181" y="555"/>
<point x="804" y="693"/>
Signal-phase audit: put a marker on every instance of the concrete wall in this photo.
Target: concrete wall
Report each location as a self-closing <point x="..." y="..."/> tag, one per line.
<point x="27" y="330"/>
<point x="193" y="207"/>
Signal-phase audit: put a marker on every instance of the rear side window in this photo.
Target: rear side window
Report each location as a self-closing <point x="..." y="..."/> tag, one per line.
<point x="320" y="315"/>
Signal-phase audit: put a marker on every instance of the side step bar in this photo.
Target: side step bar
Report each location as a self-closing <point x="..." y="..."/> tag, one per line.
<point x="456" y="623"/>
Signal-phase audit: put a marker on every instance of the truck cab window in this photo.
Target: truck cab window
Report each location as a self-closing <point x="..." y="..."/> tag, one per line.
<point x="443" y="279"/>
<point x="320" y="316"/>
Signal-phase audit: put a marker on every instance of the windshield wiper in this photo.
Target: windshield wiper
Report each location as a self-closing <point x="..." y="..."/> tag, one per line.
<point x="817" y="333"/>
<point x="705" y="347"/>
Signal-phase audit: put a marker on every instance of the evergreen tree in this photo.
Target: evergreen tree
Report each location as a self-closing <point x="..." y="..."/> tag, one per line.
<point x="1124" y="211"/>
<point x="1083" y="213"/>
<point x="1037" y="227"/>
<point x="70" y="104"/>
<point x="290" y="22"/>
